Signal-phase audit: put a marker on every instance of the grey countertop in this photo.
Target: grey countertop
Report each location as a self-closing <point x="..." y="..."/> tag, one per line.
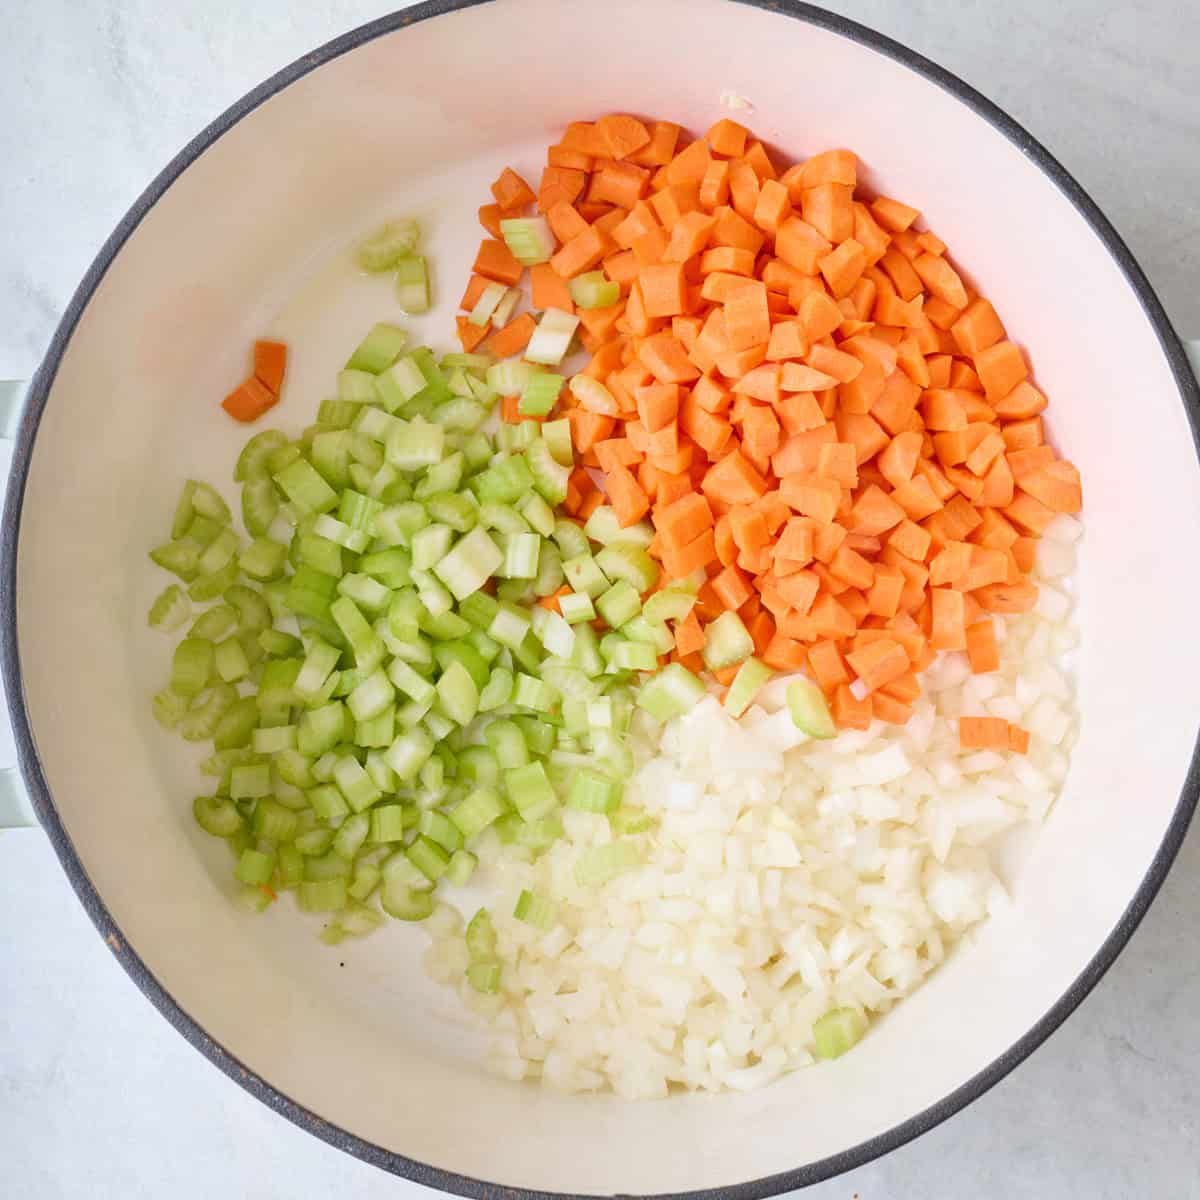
<point x="98" y="1096"/>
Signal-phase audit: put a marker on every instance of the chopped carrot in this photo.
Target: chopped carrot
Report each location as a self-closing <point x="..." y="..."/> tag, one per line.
<point x="622" y="135"/>
<point x="513" y="338"/>
<point x="495" y="262"/>
<point x="249" y="400"/>
<point x="548" y="290"/>
<point x="983" y="733"/>
<point x="469" y="335"/>
<point x="810" y="405"/>
<point x="270" y="363"/>
<point x="511" y="191"/>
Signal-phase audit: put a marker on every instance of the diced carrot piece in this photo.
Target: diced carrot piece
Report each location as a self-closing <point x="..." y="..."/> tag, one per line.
<point x="744" y="189"/>
<point x="661" y="148"/>
<point x="827" y="207"/>
<point x="801" y="246"/>
<point x="784" y="654"/>
<point x="663" y="290"/>
<point x="622" y="135"/>
<point x="1056" y="485"/>
<point x="1001" y="367"/>
<point x="683" y="560"/>
<point x="843" y="267"/>
<point x="883" y="599"/>
<point x="689" y="636"/>
<point x="689" y="236"/>
<point x="892" y="214"/>
<point x="549" y="290"/>
<point x="733" y="480"/>
<point x="878" y="663"/>
<point x="982" y="651"/>
<point x="849" y="713"/>
<point x="666" y="358"/>
<point x="1022" y="402"/>
<point x="941" y="279"/>
<point x="469" y="335"/>
<point x="747" y="320"/>
<point x="850" y="566"/>
<point x="727" y="138"/>
<point x="495" y="262"/>
<point x="560" y="185"/>
<point x="581" y="253"/>
<point x="626" y="496"/>
<point x="838" y="461"/>
<point x="513" y="338"/>
<point x="732" y="587"/>
<point x="1018" y="739"/>
<point x="511" y="191"/>
<point x="983" y="733"/>
<point x="490" y="216"/>
<point x="772" y="207"/>
<point x="910" y="540"/>
<point x="689" y="165"/>
<point x="949" y="626"/>
<point x="270" y="363"/>
<point x="249" y="400"/>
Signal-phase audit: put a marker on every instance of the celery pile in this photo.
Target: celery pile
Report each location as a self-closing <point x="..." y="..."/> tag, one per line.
<point x="373" y="668"/>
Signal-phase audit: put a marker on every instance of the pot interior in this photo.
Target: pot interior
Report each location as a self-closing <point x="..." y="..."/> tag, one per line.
<point x="252" y="239"/>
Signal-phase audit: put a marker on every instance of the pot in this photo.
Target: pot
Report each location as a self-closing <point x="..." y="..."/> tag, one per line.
<point x="245" y="233"/>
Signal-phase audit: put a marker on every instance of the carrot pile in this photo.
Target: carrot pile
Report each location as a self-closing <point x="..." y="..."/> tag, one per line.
<point x="260" y="390"/>
<point x="807" y="400"/>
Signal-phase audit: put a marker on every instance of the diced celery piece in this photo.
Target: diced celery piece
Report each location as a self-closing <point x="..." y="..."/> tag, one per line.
<point x="529" y="238"/>
<point x="388" y="245"/>
<point x="671" y="693"/>
<point x="626" y="561"/>
<point x="727" y="642"/>
<point x="536" y="910"/>
<point x="540" y="394"/>
<point x="378" y="350"/>
<point x="552" y="338"/>
<point x="837" y="1031"/>
<point x="593" y="290"/>
<point x="809" y="709"/>
<point x="751" y="677"/>
<point x="621" y="603"/>
<point x="412" y="284"/>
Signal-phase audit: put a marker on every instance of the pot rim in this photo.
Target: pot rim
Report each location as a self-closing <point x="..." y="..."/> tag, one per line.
<point x="174" y="1012"/>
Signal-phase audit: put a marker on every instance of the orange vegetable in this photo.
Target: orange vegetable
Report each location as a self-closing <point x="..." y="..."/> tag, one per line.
<point x="810" y="405"/>
<point x="511" y="191"/>
<point x="495" y="262"/>
<point x="513" y="338"/>
<point x="983" y="733"/>
<point x="270" y="363"/>
<point x="249" y="400"/>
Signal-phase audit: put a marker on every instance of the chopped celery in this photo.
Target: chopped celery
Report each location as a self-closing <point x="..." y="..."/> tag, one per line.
<point x="377" y="351"/>
<point x="752" y="675"/>
<point x="540" y="394"/>
<point x="391" y="242"/>
<point x="809" y="709"/>
<point x="671" y="693"/>
<point x="552" y="337"/>
<point x="837" y="1031"/>
<point x="412" y="284"/>
<point x="529" y="238"/>
<point x="535" y="910"/>
<point x="728" y="642"/>
<point x="593" y="290"/>
<point x="170" y="609"/>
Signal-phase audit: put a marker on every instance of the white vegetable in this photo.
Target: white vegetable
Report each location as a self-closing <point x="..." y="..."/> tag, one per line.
<point x="786" y="875"/>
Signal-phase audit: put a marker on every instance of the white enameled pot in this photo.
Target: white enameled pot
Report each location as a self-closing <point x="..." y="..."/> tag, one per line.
<point x="246" y="233"/>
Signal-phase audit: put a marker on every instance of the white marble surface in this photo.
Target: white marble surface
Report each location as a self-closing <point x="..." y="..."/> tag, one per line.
<point x="98" y="1096"/>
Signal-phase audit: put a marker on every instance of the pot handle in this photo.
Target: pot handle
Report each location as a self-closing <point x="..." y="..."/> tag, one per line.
<point x="15" y="810"/>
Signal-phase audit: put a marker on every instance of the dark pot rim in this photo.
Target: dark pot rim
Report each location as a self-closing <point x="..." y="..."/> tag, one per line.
<point x="35" y="779"/>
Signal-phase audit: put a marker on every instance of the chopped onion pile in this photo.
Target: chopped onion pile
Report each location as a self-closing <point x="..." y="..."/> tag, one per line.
<point x="788" y="890"/>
